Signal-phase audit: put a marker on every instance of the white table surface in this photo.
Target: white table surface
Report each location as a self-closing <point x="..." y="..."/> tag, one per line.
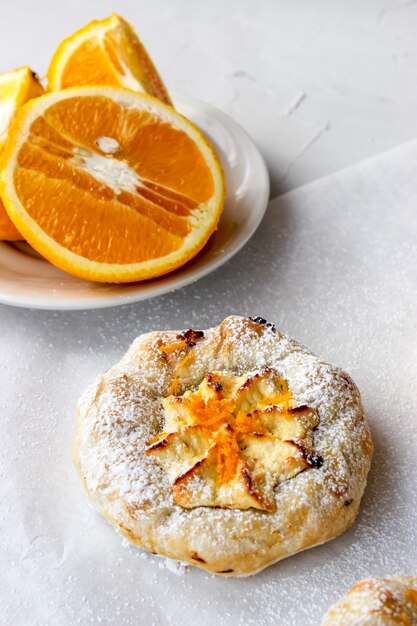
<point x="319" y="85"/>
<point x="331" y="85"/>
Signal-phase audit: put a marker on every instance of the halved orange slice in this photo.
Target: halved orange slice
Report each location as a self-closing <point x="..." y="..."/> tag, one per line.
<point x="109" y="184"/>
<point x="16" y="88"/>
<point x="105" y="52"/>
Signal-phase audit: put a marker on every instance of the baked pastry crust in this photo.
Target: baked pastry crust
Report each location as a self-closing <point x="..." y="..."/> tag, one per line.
<point x="390" y="601"/>
<point x="121" y="412"/>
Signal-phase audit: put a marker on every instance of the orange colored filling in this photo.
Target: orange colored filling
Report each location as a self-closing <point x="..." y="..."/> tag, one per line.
<point x="173" y="346"/>
<point x="411" y="594"/>
<point x="217" y="412"/>
<point x="172" y="391"/>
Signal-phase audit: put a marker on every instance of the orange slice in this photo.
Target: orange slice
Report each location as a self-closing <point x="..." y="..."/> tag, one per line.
<point x="16" y="88"/>
<point x="109" y="184"/>
<point x="105" y="52"/>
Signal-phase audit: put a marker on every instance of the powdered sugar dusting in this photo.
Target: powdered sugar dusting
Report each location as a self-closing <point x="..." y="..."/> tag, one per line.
<point x="376" y="601"/>
<point x="123" y="412"/>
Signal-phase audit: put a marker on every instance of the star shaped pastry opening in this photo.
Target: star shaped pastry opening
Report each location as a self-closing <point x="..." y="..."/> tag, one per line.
<point x="230" y="442"/>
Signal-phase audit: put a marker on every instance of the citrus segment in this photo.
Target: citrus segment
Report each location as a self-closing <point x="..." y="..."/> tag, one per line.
<point x="16" y="88"/>
<point x="109" y="184"/>
<point x="105" y="52"/>
<point x="148" y="142"/>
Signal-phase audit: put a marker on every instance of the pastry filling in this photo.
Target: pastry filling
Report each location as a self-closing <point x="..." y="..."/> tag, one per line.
<point x="233" y="440"/>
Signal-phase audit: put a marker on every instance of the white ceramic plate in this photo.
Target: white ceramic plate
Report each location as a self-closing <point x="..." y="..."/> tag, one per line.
<point x="27" y="280"/>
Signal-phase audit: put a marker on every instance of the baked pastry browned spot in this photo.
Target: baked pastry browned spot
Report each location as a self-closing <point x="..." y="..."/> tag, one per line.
<point x="390" y="601"/>
<point x="228" y="449"/>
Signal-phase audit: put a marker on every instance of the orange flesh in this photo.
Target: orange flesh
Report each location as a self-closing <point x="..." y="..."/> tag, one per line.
<point x="134" y="226"/>
<point x="90" y="65"/>
<point x="109" y="57"/>
<point x="7" y="228"/>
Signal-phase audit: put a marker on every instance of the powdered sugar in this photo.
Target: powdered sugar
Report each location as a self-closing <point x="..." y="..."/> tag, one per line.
<point x="376" y="601"/>
<point x="124" y="411"/>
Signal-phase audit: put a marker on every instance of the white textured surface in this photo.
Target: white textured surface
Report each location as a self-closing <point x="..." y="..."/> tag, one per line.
<point x="333" y="264"/>
<point x="319" y="85"/>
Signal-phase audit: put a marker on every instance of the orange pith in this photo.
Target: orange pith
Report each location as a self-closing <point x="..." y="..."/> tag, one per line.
<point x="140" y="198"/>
<point x="105" y="52"/>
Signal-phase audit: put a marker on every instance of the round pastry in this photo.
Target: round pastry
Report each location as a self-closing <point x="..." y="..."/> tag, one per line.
<point x="390" y="601"/>
<point x="229" y="448"/>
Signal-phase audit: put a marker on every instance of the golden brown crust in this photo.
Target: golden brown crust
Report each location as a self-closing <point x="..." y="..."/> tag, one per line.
<point x="390" y="601"/>
<point x="121" y="412"/>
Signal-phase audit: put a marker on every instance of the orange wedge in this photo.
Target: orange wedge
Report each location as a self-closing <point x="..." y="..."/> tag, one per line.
<point x="16" y="88"/>
<point x="105" y="52"/>
<point x="109" y="184"/>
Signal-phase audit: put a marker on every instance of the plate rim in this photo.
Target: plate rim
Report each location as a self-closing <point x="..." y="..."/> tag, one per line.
<point x="109" y="301"/>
